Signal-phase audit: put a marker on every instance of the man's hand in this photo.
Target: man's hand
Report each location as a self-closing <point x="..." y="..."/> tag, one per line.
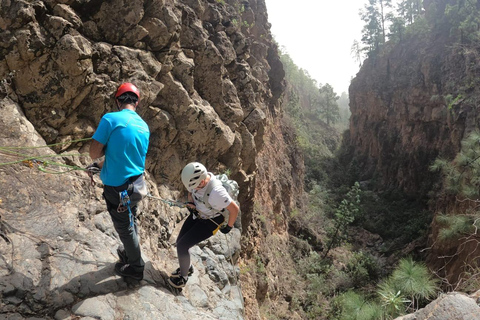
<point x="93" y="168"/>
<point x="226" y="229"/>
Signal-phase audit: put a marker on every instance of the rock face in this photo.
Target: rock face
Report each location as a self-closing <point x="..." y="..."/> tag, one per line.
<point x="452" y="306"/>
<point x="58" y="247"/>
<point x="397" y="127"/>
<point x="410" y="104"/>
<point x="211" y="83"/>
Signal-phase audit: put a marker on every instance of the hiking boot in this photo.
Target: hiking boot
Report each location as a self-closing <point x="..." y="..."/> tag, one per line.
<point x="177" y="274"/>
<point x="122" y="255"/>
<point x="178" y="282"/>
<point x="126" y="270"/>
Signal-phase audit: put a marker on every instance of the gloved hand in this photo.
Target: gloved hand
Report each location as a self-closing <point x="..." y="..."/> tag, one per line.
<point x="226" y="229"/>
<point x="93" y="168"/>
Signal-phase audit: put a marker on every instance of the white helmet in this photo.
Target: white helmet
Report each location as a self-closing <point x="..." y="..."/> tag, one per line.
<point x="193" y="174"/>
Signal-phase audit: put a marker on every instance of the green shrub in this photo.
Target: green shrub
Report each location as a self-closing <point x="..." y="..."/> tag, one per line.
<point x="410" y="279"/>
<point x="393" y="301"/>
<point x="362" y="269"/>
<point x="354" y="306"/>
<point x="462" y="175"/>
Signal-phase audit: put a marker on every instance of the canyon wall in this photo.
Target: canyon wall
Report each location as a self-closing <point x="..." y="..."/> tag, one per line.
<point x="411" y="103"/>
<point x="211" y="86"/>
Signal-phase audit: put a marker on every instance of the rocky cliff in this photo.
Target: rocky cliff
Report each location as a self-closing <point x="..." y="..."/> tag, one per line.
<point x="211" y="84"/>
<point x="412" y="103"/>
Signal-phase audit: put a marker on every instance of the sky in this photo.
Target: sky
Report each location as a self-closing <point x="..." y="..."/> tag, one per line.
<point x="318" y="36"/>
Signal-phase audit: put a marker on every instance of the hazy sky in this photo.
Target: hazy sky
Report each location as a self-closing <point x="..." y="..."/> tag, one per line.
<point x="318" y="36"/>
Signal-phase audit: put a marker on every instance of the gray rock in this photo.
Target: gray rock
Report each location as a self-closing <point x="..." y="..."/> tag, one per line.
<point x="200" y="81"/>
<point x="450" y="306"/>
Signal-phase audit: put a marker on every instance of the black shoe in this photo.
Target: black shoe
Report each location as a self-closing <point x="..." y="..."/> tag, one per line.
<point x="178" y="282"/>
<point x="122" y="255"/>
<point x="176" y="273"/>
<point x="125" y="270"/>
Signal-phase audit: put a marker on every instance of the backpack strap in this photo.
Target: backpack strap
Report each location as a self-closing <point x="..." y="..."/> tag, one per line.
<point x="211" y="184"/>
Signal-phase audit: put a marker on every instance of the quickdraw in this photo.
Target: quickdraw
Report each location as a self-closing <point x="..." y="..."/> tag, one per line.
<point x="124" y="205"/>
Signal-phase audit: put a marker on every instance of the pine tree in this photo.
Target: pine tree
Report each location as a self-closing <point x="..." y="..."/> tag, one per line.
<point x="375" y="15"/>
<point x="410" y="10"/>
<point x="462" y="175"/>
<point x="397" y="29"/>
<point x="410" y="279"/>
<point x="345" y="214"/>
<point x="414" y="280"/>
<point x="464" y="19"/>
<point x="328" y="104"/>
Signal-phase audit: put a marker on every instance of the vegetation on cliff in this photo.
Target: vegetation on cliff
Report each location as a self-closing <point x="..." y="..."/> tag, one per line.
<point x="329" y="260"/>
<point x="415" y="100"/>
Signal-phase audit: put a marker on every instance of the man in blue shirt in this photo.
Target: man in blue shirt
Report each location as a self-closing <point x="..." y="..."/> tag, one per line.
<point x="123" y="137"/>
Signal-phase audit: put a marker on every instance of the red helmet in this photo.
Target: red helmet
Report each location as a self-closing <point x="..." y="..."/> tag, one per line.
<point x="127" y="87"/>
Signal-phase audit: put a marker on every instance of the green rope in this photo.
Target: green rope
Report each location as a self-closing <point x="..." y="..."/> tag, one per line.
<point x="49" y="145"/>
<point x="9" y="150"/>
<point x="46" y="157"/>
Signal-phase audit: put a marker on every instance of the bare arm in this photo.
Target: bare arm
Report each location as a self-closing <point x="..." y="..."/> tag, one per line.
<point x="96" y="150"/>
<point x="233" y="210"/>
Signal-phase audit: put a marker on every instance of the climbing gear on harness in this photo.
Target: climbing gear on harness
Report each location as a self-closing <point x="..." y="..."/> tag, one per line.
<point x="178" y="282"/>
<point x="177" y="273"/>
<point x="192" y="174"/>
<point x="226" y="229"/>
<point x="126" y="270"/>
<point x="124" y="205"/>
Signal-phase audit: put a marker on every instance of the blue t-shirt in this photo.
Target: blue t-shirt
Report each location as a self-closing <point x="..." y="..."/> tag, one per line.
<point x="125" y="136"/>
